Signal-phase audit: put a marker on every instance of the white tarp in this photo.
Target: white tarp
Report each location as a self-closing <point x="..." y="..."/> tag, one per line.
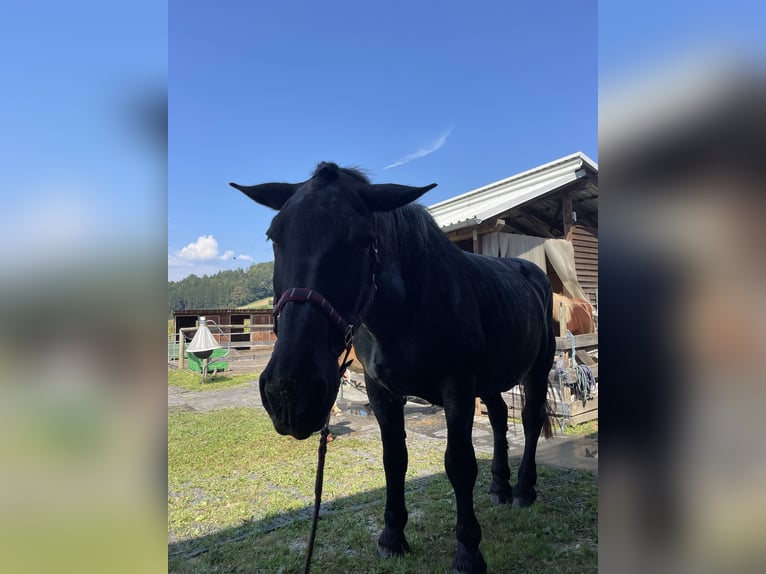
<point x="560" y="253"/>
<point x="513" y="245"/>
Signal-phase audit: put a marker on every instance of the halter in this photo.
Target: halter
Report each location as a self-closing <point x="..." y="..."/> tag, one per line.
<point x="307" y="295"/>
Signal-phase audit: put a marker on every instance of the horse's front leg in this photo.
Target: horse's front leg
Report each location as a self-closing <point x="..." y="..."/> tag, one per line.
<point x="389" y="411"/>
<point x="461" y="467"/>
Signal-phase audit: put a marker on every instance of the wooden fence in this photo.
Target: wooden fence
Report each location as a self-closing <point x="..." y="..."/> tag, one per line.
<point x="567" y="407"/>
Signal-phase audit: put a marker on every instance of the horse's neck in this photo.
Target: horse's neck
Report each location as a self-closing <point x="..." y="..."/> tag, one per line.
<point x="412" y="259"/>
<point x="396" y="294"/>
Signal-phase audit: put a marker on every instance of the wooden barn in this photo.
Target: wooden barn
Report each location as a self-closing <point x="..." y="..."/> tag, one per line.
<point x="237" y="327"/>
<point x="547" y="215"/>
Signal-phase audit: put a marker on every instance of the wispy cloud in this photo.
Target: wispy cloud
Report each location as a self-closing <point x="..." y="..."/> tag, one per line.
<point x="424" y="151"/>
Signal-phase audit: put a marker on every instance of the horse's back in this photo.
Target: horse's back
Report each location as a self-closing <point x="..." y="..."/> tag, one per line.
<point x="514" y="301"/>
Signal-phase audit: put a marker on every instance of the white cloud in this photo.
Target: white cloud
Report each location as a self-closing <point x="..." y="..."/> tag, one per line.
<point x="424" y="151"/>
<point x="202" y="257"/>
<point x="205" y="248"/>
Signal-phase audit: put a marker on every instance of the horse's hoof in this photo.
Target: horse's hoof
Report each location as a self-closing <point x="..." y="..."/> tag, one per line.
<point x="386" y="552"/>
<point x="498" y="498"/>
<point x="389" y="545"/>
<point x="523" y="500"/>
<point x="468" y="562"/>
<point x="480" y="568"/>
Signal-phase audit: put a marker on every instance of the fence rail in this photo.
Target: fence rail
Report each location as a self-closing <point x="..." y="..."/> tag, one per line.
<point x="240" y="338"/>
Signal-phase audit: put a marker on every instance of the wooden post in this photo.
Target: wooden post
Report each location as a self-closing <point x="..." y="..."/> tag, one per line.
<point x="181" y="353"/>
<point x="475" y="235"/>
<point x="562" y="324"/>
<point x="567" y="213"/>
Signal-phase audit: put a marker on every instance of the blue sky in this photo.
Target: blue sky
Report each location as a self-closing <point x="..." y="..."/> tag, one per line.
<point x="83" y="180"/>
<point x="412" y="92"/>
<point x="265" y="90"/>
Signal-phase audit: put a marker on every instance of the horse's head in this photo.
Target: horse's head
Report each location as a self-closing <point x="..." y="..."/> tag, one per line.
<point x="324" y="246"/>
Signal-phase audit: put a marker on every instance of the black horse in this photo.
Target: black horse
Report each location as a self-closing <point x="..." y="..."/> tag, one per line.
<point x="427" y="320"/>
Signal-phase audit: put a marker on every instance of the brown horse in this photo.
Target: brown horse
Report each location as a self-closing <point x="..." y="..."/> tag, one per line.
<point x="577" y="314"/>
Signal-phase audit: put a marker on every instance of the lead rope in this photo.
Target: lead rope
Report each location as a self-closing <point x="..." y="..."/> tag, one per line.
<point x="321" y="453"/>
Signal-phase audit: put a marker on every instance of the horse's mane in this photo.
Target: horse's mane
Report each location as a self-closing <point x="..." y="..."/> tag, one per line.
<point x="410" y="232"/>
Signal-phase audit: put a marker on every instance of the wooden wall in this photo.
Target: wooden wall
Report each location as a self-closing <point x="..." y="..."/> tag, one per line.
<point x="585" y="243"/>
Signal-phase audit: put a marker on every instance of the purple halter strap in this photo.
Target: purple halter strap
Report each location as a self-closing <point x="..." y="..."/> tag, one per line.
<point x="307" y="295"/>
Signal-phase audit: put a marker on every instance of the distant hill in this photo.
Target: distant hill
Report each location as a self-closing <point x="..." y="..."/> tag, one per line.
<point x="264" y="303"/>
<point x="223" y="290"/>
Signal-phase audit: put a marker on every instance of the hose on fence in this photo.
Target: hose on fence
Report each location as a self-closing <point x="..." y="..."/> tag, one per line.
<point x="585" y="383"/>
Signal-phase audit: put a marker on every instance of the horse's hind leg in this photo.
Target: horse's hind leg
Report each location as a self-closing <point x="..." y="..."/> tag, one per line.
<point x="500" y="489"/>
<point x="533" y="416"/>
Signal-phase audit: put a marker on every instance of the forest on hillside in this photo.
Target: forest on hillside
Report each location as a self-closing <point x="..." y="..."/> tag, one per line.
<point x="225" y="289"/>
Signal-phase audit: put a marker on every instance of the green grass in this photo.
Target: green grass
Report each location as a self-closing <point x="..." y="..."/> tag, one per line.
<point x="239" y="499"/>
<point x="582" y="429"/>
<point x="192" y="381"/>
<point x="587" y="428"/>
<point x="265" y="303"/>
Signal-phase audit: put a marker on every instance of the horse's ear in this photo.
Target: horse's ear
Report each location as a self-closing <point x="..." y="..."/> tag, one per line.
<point x="388" y="196"/>
<point x="273" y="195"/>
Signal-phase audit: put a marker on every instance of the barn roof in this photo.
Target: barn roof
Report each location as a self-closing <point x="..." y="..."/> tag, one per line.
<point x="468" y="209"/>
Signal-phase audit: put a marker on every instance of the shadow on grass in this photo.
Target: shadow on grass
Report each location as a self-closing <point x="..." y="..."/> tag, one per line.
<point x="558" y="533"/>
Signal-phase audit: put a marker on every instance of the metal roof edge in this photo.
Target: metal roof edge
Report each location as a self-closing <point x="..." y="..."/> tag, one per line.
<point x="518" y="200"/>
<point x="519" y="176"/>
<point x="461" y="224"/>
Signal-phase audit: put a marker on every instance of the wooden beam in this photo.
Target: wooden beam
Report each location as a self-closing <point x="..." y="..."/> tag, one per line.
<point x="528" y="226"/>
<point x="485" y="227"/>
<point x="544" y="228"/>
<point x="475" y="236"/>
<point x="584" y="358"/>
<point x="567" y="213"/>
<point x="551" y="223"/>
<point x="589" y="340"/>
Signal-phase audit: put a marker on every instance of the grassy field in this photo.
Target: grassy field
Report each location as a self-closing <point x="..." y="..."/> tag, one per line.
<point x="240" y="497"/>
<point x="265" y="303"/>
<point x="192" y="381"/>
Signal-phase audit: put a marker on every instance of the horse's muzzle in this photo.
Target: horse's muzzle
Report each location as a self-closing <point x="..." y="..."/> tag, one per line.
<point x="298" y="410"/>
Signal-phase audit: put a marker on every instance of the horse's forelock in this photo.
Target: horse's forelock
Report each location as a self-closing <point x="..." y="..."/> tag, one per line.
<point x="327" y="172"/>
